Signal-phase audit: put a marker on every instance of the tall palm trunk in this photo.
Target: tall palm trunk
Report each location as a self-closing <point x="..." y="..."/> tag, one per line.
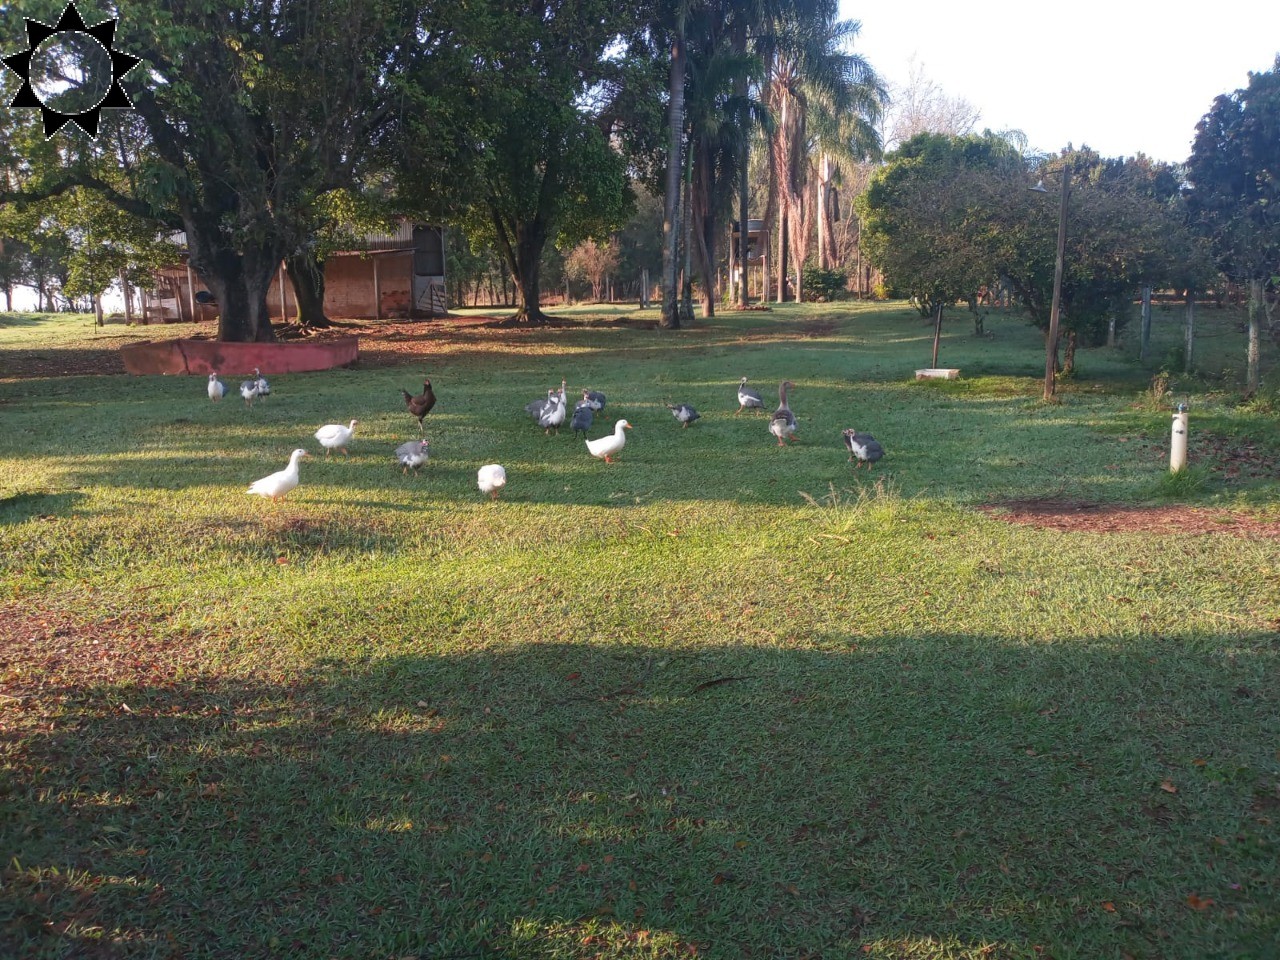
<point x="744" y="157"/>
<point x="670" y="225"/>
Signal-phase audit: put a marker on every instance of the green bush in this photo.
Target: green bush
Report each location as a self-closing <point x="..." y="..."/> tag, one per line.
<point x="823" y="286"/>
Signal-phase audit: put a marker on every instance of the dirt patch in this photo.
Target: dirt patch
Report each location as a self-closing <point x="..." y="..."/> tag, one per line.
<point x="1086" y="517"/>
<point x="818" y="328"/>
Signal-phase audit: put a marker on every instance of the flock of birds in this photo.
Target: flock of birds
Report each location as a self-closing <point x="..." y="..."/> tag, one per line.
<point x="549" y="412"/>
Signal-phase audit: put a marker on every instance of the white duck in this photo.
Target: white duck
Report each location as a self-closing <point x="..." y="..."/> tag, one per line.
<point x="606" y="447"/>
<point x="412" y="455"/>
<point x="783" y="422"/>
<point x="334" y="436"/>
<point x="264" y="388"/>
<point x="277" y="484"/>
<point x="249" y="390"/>
<point x="491" y="479"/>
<point x="217" y="389"/>
<point x="748" y="398"/>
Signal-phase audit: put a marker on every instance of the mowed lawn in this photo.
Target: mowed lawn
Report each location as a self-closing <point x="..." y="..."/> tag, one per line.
<point x="718" y="699"/>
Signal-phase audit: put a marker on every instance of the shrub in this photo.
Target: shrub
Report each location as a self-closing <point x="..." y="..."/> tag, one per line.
<point x="823" y="286"/>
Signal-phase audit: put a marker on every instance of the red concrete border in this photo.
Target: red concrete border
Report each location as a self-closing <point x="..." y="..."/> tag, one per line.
<point x="233" y="359"/>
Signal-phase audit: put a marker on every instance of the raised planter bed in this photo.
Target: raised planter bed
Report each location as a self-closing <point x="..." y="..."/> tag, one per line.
<point x="937" y="373"/>
<point x="204" y="357"/>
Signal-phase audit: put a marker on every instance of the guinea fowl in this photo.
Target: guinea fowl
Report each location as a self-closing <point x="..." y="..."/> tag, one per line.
<point x="595" y="398"/>
<point x="684" y="413"/>
<point x="420" y="405"/>
<point x="748" y="398"/>
<point x="276" y="485"/>
<point x="249" y="390"/>
<point x="334" y="436"/>
<point x="216" y="387"/>
<point x="783" y="422"/>
<point x="264" y="388"/>
<point x="582" y="418"/>
<point x="537" y="408"/>
<point x="863" y="448"/>
<point x="553" y="416"/>
<point x="412" y="455"/>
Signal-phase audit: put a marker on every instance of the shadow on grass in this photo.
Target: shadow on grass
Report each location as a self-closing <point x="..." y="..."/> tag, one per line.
<point x="19" y="507"/>
<point x="940" y="795"/>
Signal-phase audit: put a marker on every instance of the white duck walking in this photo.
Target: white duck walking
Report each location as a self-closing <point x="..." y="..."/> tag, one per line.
<point x="606" y="447"/>
<point x="334" y="436"/>
<point x="783" y="422"/>
<point x="412" y="455"/>
<point x="491" y="479"/>
<point x="217" y="389"/>
<point x="277" y="484"/>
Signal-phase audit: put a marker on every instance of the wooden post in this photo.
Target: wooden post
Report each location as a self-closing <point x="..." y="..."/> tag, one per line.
<point x="377" y="290"/>
<point x="644" y="289"/>
<point x="1146" y="324"/>
<point x="1252" y="378"/>
<point x="191" y="293"/>
<point x="1189" y="333"/>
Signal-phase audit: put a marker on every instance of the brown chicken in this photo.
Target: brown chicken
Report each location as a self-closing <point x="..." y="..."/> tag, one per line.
<point x="420" y="405"/>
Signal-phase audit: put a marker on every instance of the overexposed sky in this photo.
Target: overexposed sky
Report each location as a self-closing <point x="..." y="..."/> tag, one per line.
<point x="1121" y="76"/>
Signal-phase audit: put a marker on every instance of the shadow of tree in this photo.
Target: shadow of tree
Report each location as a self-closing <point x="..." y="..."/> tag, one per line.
<point x="941" y="795"/>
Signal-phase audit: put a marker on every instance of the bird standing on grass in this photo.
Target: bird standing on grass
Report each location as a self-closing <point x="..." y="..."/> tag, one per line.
<point x="264" y="388"/>
<point x="421" y="404"/>
<point x="748" y="399"/>
<point x="217" y="389"/>
<point x="684" y="413"/>
<point x="412" y="455"/>
<point x="277" y="484"/>
<point x="783" y="422"/>
<point x="582" y="417"/>
<point x="491" y="479"/>
<point x="249" y="390"/>
<point x="606" y="447"/>
<point x="863" y="448"/>
<point x="595" y="398"/>
<point x="334" y="436"/>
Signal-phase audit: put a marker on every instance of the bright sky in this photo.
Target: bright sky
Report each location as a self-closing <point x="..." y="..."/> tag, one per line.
<point x="1120" y="76"/>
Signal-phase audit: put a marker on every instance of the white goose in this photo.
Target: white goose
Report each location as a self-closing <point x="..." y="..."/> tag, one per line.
<point x="491" y="479"/>
<point x="334" y="436"/>
<point x="606" y="447"/>
<point x="217" y="389"/>
<point x="277" y="484"/>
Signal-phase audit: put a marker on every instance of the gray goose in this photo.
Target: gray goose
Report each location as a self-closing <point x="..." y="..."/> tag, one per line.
<point x="783" y="422"/>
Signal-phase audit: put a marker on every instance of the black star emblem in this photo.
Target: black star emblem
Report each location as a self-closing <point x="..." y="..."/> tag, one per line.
<point x="78" y="74"/>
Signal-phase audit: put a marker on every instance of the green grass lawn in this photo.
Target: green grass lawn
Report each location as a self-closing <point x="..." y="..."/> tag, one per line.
<point x="719" y="699"/>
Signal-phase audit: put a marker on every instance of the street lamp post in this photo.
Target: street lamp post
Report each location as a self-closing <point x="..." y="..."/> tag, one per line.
<point x="1051" y="343"/>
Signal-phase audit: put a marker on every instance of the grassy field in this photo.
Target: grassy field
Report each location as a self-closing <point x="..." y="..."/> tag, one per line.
<point x="719" y="699"/>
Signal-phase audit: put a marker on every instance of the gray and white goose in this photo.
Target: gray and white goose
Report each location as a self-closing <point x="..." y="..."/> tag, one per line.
<point x="783" y="422"/>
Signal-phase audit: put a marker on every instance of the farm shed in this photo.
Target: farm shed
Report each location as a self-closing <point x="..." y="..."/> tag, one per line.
<point x="399" y="275"/>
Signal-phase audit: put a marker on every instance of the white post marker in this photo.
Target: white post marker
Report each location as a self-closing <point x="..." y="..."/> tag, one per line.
<point x="1178" y="443"/>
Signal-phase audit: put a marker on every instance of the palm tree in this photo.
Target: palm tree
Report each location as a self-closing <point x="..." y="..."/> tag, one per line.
<point x="813" y="81"/>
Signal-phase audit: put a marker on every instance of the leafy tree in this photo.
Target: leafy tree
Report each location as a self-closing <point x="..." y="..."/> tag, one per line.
<point x="247" y="111"/>
<point x="929" y="216"/>
<point x="1234" y="171"/>
<point x="593" y="262"/>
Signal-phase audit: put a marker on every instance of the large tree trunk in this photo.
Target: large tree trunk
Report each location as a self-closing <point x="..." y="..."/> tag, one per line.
<point x="704" y="222"/>
<point x="744" y="157"/>
<point x="306" y="273"/>
<point x="238" y="279"/>
<point x="521" y="246"/>
<point x="671" y="215"/>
